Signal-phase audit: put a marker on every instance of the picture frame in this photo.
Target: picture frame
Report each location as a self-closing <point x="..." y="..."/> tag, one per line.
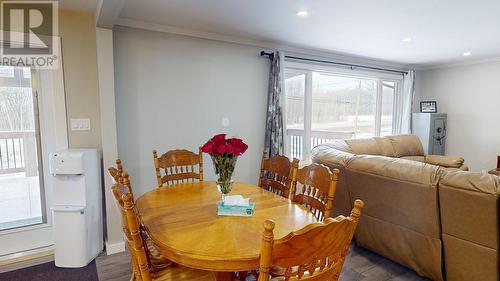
<point x="428" y="106"/>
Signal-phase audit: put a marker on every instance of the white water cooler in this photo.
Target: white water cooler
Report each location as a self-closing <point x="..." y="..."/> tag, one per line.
<point x="77" y="208"/>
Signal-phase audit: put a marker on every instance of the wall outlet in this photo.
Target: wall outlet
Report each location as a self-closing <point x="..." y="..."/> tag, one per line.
<point x="80" y="124"/>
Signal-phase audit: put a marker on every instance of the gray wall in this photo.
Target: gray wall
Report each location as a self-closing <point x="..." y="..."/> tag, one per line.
<point x="173" y="91"/>
<point x="471" y="97"/>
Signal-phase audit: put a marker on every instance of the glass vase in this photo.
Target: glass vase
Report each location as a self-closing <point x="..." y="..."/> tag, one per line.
<point x="224" y="167"/>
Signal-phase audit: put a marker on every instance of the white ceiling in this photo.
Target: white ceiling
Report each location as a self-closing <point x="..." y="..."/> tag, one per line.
<point x="441" y="30"/>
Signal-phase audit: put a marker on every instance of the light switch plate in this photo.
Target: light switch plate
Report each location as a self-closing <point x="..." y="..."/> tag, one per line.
<point x="80" y="124"/>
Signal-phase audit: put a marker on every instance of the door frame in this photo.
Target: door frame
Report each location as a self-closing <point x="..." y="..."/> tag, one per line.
<point x="49" y="85"/>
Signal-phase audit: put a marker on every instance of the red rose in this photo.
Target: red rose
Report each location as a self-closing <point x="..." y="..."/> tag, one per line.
<point x="219" y="145"/>
<point x="239" y="147"/>
<point x="221" y="149"/>
<point x="220" y="138"/>
<point x="208" y="147"/>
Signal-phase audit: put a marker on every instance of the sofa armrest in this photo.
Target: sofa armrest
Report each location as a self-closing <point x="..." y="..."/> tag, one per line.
<point x="444" y="161"/>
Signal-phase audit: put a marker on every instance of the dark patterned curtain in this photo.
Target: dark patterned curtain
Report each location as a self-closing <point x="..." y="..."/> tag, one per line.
<point x="274" y="141"/>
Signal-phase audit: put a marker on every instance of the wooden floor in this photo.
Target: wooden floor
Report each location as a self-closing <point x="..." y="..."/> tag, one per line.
<point x="361" y="265"/>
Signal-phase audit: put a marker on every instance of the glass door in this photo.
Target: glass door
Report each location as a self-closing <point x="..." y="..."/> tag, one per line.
<point x="21" y="177"/>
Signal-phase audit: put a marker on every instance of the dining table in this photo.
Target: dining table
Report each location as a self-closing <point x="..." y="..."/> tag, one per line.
<point x="182" y="221"/>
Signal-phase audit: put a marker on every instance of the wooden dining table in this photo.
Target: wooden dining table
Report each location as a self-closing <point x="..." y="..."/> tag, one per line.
<point x="182" y="220"/>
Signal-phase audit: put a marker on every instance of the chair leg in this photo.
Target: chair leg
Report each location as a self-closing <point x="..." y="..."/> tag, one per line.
<point x="242" y="275"/>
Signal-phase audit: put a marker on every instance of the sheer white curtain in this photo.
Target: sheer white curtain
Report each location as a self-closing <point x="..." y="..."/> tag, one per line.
<point x="403" y="114"/>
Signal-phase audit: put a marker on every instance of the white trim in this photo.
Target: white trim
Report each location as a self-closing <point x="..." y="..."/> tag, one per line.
<point x="105" y="72"/>
<point x="294" y="49"/>
<point x="316" y="53"/>
<point x="308" y="103"/>
<point x="49" y="85"/>
<point x="27" y="254"/>
<point x="107" y="12"/>
<point x="458" y="64"/>
<point x="114" y="248"/>
<point x="25" y="228"/>
<point x="308" y="68"/>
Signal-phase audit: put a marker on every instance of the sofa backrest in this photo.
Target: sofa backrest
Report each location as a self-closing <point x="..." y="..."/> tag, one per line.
<point x="390" y="146"/>
<point x="469" y="205"/>
<point x="406" y="145"/>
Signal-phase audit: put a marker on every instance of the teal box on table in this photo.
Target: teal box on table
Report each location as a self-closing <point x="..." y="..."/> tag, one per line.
<point x="233" y="210"/>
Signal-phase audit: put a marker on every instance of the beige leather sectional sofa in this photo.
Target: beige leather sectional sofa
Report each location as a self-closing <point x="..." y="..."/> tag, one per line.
<point x="426" y="212"/>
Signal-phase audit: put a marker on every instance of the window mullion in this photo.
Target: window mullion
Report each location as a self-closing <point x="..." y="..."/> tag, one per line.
<point x="306" y="149"/>
<point x="378" y="108"/>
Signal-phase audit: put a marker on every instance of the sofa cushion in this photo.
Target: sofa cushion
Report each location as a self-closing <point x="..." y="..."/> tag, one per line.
<point x="469" y="207"/>
<point x="414" y="158"/>
<point x="385" y="146"/>
<point x="329" y="156"/>
<point x="399" y="169"/>
<point x="445" y="161"/>
<point x="480" y="182"/>
<point x="406" y="145"/>
<point x="364" y="146"/>
<point x="341" y="145"/>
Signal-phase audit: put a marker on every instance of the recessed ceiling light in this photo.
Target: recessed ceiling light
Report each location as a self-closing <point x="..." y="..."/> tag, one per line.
<point x="302" y="13"/>
<point x="466" y="54"/>
<point x="407" y="40"/>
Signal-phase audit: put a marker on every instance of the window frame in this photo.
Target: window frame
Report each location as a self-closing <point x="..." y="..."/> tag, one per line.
<point x="309" y="68"/>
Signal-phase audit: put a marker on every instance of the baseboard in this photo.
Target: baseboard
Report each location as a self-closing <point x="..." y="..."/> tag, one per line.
<point x="26" y="259"/>
<point x="114" y="248"/>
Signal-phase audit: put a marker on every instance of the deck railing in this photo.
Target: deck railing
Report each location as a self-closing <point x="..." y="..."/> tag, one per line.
<point x="18" y="153"/>
<point x="296" y="139"/>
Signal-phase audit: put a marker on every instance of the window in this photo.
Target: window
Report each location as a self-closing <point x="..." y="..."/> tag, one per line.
<point x="323" y="104"/>
<point x="21" y="188"/>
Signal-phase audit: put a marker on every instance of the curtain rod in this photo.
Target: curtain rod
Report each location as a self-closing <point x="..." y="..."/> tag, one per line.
<point x="271" y="55"/>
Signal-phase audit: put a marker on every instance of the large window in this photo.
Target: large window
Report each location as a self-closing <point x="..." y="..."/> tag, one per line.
<point x="21" y="188"/>
<point x="323" y="104"/>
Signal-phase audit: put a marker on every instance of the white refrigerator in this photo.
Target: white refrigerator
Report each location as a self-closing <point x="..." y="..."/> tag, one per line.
<point x="77" y="207"/>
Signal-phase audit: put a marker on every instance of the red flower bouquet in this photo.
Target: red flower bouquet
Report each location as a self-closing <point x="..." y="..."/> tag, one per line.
<point x="224" y="153"/>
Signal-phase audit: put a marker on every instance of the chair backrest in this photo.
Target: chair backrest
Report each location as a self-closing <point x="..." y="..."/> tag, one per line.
<point x="179" y="166"/>
<point x="116" y="173"/>
<point x="276" y="174"/>
<point x="314" y="253"/>
<point x="314" y="187"/>
<point x="131" y="229"/>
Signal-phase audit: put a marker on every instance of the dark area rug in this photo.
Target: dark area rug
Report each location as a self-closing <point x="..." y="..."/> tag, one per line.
<point x="49" y="272"/>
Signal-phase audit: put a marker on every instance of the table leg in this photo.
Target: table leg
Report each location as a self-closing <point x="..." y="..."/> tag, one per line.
<point x="224" y="276"/>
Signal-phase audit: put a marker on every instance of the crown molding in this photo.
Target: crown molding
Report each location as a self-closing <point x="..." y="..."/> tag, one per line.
<point x="459" y="64"/>
<point x="265" y="44"/>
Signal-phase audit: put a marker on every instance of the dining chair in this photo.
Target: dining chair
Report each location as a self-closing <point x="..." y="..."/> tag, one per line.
<point x="179" y="166"/>
<point x="116" y="173"/>
<point x="276" y="174"/>
<point x="315" y="253"/>
<point x="314" y="186"/>
<point x="157" y="262"/>
<point x="145" y="265"/>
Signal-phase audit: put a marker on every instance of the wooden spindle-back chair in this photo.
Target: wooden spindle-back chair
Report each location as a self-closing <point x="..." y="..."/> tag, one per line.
<point x="146" y="265"/>
<point x="179" y="166"/>
<point x="116" y="173"/>
<point x="276" y="174"/>
<point x="314" y="187"/>
<point x="315" y="253"/>
<point x="130" y="225"/>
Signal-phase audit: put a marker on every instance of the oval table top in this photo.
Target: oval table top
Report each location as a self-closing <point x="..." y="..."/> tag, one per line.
<point x="182" y="220"/>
